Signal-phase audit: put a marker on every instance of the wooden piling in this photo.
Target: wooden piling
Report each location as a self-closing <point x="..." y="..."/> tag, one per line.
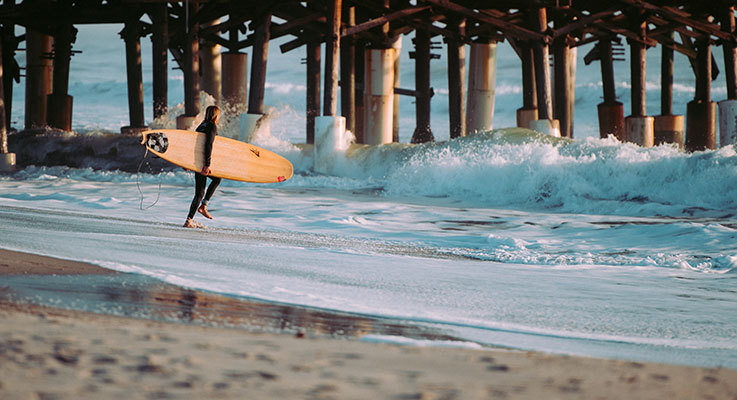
<point x="7" y="159"/>
<point x="457" y="80"/>
<point x="666" y="80"/>
<point x="3" y="126"/>
<point x="542" y="69"/>
<point x="131" y="34"/>
<point x="668" y="128"/>
<point x="610" y="111"/>
<point x="730" y="52"/>
<point x="192" y="67"/>
<point x="258" y="64"/>
<point x="59" y="103"/>
<point x="9" y="47"/>
<point x="159" y="49"/>
<point x="638" y="65"/>
<point x="528" y="112"/>
<point x="39" y="68"/>
<point x="422" y="132"/>
<point x="313" y="88"/>
<point x="332" y="53"/>
<point x="360" y="46"/>
<point x="701" y="112"/>
<point x="397" y="46"/>
<point x="348" y="74"/>
<point x="234" y="82"/>
<point x="564" y="96"/>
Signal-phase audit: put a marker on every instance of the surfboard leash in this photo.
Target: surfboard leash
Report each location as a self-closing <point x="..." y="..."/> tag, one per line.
<point x="138" y="184"/>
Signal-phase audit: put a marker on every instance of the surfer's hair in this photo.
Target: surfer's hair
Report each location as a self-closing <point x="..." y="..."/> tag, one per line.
<point x="211" y="113"/>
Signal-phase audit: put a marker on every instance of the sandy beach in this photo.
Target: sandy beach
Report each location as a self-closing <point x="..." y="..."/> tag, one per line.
<point x="52" y="353"/>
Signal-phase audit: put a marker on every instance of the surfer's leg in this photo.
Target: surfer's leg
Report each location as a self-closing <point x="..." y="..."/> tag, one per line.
<point x="199" y="192"/>
<point x="215" y="182"/>
<point x="210" y="191"/>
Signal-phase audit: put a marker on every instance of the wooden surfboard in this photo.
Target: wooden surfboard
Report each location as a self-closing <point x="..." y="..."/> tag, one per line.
<point x="231" y="159"/>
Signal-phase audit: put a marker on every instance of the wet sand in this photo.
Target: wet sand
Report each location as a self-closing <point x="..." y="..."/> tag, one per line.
<point x="265" y="351"/>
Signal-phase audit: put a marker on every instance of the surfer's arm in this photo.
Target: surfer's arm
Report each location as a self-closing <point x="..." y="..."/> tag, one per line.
<point x="209" y="139"/>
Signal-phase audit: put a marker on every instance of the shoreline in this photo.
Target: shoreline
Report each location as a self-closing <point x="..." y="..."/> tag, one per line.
<point x="53" y="352"/>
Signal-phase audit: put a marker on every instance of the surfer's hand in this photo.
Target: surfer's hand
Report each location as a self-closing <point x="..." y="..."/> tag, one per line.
<point x="205" y="171"/>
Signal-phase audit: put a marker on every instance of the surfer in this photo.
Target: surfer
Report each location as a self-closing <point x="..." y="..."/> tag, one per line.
<point x="201" y="199"/>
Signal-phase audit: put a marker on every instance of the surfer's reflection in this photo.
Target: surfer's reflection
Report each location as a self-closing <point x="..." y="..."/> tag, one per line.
<point x="201" y="198"/>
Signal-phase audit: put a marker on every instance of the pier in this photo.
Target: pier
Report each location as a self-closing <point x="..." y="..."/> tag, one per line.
<point x="222" y="47"/>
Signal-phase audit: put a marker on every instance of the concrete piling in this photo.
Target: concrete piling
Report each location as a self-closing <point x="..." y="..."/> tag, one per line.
<point x="378" y="96"/>
<point x="727" y="122"/>
<point x="481" y="86"/>
<point x="211" y="66"/>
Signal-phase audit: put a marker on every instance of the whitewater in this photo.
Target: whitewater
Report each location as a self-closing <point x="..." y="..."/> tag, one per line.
<point x="589" y="247"/>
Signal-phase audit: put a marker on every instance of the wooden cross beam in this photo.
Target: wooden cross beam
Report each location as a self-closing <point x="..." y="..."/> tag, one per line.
<point x="502" y="25"/>
<point x="683" y="18"/>
<point x="382" y="20"/>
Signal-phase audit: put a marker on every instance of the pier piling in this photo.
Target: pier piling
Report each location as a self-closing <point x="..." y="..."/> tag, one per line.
<point x="7" y="160"/>
<point x="159" y="15"/>
<point x="255" y="121"/>
<point x="59" y="102"/>
<point x="313" y="88"/>
<point x="379" y="96"/>
<point x="481" y="86"/>
<point x="131" y="34"/>
<point x="39" y="69"/>
<point x="211" y="65"/>
<point x="422" y="132"/>
<point x="191" y="72"/>
<point x="528" y="112"/>
<point x="545" y="122"/>
<point x="701" y="112"/>
<point x="611" y="111"/>
<point x="348" y="73"/>
<point x="457" y="80"/>
<point x="639" y="127"/>
<point x="668" y="127"/>
<point x="728" y="107"/>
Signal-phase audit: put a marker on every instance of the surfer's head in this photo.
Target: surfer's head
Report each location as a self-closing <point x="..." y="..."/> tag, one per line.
<point x="212" y="114"/>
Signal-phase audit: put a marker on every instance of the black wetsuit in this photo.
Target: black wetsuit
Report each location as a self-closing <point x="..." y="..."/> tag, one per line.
<point x="210" y="130"/>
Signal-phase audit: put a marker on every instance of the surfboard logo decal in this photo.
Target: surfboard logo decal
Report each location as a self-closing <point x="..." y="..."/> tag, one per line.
<point x="158" y="142"/>
<point x="254" y="151"/>
<point x="281" y="179"/>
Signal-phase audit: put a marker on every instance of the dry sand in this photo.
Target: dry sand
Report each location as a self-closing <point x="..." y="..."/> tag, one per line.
<point x="48" y="353"/>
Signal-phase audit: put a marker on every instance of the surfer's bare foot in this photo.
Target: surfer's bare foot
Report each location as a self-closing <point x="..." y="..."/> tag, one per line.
<point x="189" y="223"/>
<point x="203" y="210"/>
